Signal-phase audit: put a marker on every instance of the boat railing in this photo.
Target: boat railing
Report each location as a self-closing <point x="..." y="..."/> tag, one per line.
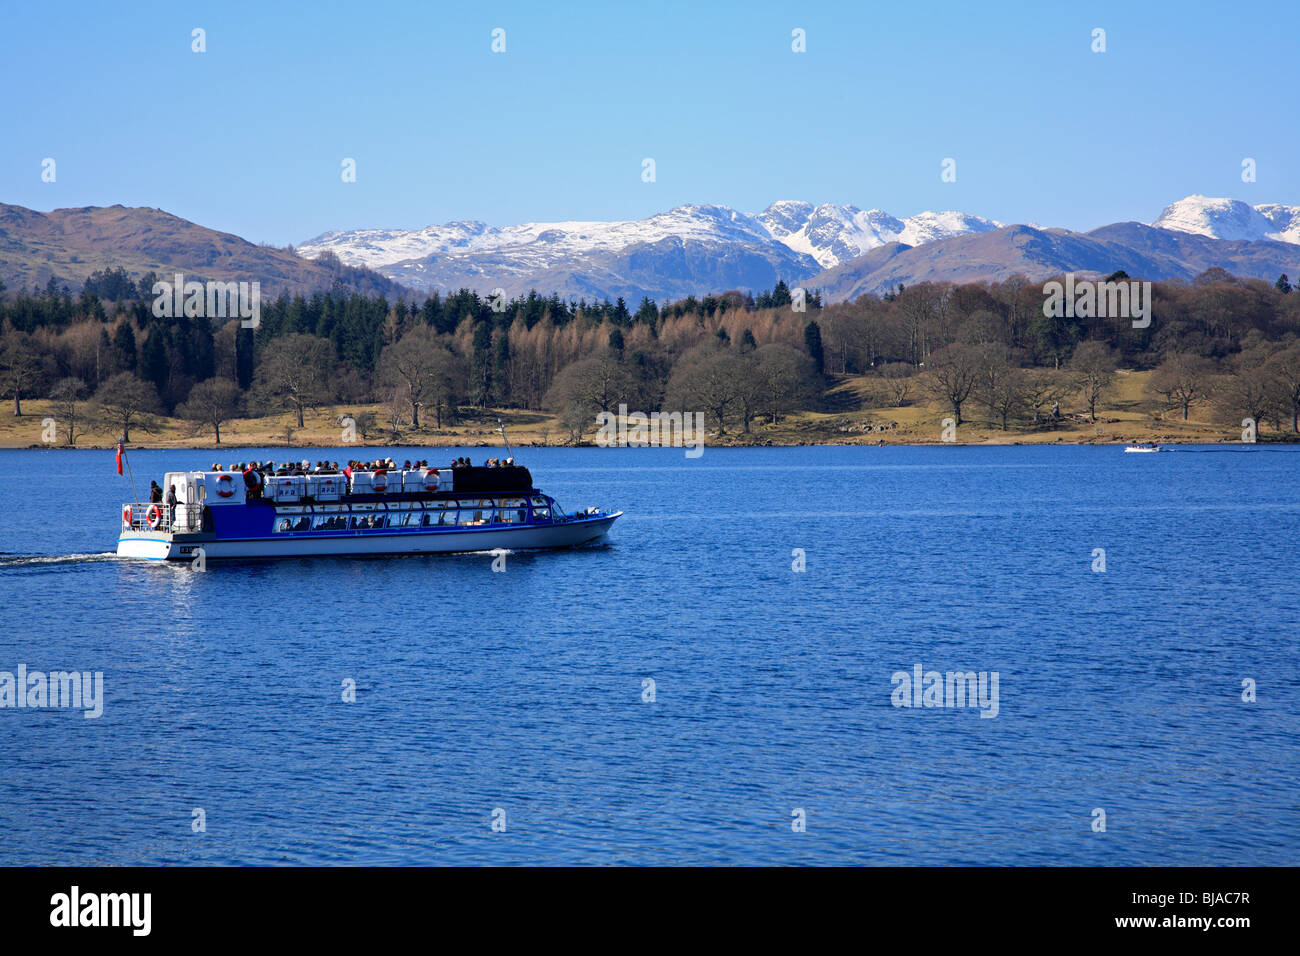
<point x="156" y="516"/>
<point x="560" y="517"/>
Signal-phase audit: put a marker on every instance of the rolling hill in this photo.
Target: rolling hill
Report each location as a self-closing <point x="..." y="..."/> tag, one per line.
<point x="71" y="244"/>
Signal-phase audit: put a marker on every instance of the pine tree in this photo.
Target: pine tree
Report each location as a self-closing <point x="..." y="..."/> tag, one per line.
<point x="153" y="360"/>
<point x="781" y="295"/>
<point x="501" y="368"/>
<point x="648" y="313"/>
<point x="812" y="340"/>
<point x="124" y="347"/>
<point x="243" y="358"/>
<point x="621" y="316"/>
<point x="480" y="365"/>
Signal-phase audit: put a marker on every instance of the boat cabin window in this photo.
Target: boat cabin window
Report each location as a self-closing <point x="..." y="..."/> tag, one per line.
<point x="293" y="523"/>
<point x="404" y="519"/>
<point x="478" y="515"/>
<point x="439" y="519"/>
<point x="367" y="521"/>
<point x="330" y="522"/>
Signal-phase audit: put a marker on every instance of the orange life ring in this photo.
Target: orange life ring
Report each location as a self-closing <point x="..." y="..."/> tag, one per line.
<point x="431" y="480"/>
<point x="126" y="516"/>
<point x="225" y="486"/>
<point x="154" y="516"/>
<point x="381" y="485"/>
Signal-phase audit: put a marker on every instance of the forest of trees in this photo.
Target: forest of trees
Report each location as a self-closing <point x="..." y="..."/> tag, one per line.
<point x="100" y="355"/>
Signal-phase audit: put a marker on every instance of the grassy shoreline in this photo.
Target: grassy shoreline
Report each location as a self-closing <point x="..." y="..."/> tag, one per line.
<point x="1128" y="416"/>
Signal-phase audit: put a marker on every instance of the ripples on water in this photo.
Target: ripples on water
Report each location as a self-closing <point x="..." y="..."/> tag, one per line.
<point x="523" y="690"/>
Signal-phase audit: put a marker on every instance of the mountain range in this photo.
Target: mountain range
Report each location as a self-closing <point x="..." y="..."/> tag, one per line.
<point x="842" y="251"/>
<point x="685" y="251"/>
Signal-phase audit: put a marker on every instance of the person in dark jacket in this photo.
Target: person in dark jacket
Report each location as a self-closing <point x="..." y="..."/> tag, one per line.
<point x="155" y="493"/>
<point x="171" y="504"/>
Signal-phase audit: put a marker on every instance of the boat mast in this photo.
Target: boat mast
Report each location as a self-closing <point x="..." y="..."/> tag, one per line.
<point x="502" y="429"/>
<point x="127" y="462"/>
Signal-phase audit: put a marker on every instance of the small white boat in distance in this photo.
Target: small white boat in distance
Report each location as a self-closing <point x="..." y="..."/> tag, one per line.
<point x="1143" y="447"/>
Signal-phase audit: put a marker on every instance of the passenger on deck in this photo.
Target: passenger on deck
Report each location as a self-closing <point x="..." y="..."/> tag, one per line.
<point x="155" y="493"/>
<point x="171" y="505"/>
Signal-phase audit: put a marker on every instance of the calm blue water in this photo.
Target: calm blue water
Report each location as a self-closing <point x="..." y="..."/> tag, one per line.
<point x="523" y="691"/>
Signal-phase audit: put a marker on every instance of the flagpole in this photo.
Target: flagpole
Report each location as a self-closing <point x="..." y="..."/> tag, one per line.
<point x="122" y="444"/>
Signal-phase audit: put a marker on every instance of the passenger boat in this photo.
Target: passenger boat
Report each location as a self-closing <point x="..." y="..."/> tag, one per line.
<point x="1143" y="447"/>
<point x="424" y="511"/>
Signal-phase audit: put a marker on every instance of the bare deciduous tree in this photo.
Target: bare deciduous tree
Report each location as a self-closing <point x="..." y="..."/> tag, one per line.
<point x="953" y="374"/>
<point x="423" y="367"/>
<point x="124" y="402"/>
<point x="787" y="378"/>
<point x="1093" y="364"/>
<point x="295" y="370"/>
<point x="212" y="402"/>
<point x="21" y="369"/>
<point x="65" y="399"/>
<point x="1182" y="381"/>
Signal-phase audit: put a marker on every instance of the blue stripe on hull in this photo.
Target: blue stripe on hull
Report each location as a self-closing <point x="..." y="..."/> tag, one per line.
<point x="414" y="541"/>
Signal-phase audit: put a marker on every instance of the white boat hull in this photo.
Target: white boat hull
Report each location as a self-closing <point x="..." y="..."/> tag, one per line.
<point x="155" y="546"/>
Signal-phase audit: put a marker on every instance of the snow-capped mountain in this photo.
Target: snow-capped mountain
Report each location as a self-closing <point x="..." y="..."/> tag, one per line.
<point x="537" y="243"/>
<point x="788" y="240"/>
<point x="698" y="249"/>
<point x="833" y="234"/>
<point x="1231" y="219"/>
<point x="375" y="248"/>
<point x="670" y="253"/>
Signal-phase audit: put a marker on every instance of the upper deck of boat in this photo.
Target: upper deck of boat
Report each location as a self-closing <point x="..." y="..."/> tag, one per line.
<point x="425" y="484"/>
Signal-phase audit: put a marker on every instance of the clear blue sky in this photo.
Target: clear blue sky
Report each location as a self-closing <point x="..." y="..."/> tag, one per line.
<point x="249" y="136"/>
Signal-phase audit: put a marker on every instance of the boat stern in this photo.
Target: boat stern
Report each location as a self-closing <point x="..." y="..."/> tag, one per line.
<point x="153" y="546"/>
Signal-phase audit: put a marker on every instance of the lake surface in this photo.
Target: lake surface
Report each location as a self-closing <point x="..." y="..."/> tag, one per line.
<point x="1119" y="690"/>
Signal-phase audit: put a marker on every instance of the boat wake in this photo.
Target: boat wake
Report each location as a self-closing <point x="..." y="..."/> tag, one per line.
<point x="31" y="560"/>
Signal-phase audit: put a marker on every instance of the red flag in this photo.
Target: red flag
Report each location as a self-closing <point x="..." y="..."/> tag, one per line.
<point x="119" y="458"/>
